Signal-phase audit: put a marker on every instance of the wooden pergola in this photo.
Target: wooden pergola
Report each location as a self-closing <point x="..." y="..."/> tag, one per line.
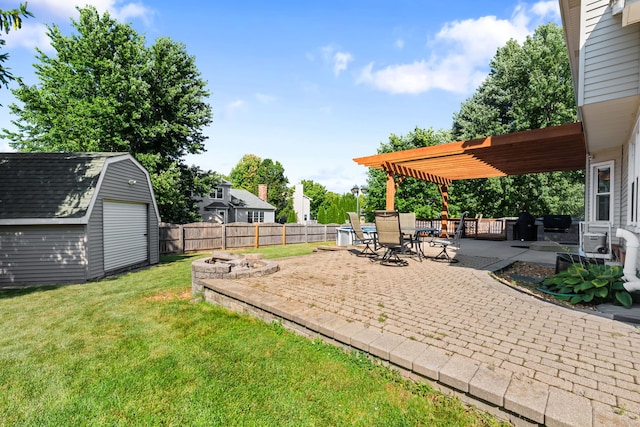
<point x="555" y="148"/>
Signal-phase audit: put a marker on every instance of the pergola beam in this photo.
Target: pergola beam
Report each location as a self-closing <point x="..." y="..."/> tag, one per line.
<point x="555" y="148"/>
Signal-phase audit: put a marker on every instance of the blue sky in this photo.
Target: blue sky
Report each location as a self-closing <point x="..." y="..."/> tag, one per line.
<point x="311" y="84"/>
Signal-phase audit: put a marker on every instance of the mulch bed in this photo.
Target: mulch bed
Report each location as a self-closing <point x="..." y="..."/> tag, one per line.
<point x="527" y="276"/>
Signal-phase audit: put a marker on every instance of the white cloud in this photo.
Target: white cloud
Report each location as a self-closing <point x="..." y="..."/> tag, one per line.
<point x="5" y="147"/>
<point x="264" y="98"/>
<point x="60" y="12"/>
<point x="399" y="43"/>
<point x="47" y="12"/>
<point x="547" y="9"/>
<point x="29" y="37"/>
<point x="121" y="10"/>
<point x="459" y="53"/>
<point x="339" y="61"/>
<point x="233" y="108"/>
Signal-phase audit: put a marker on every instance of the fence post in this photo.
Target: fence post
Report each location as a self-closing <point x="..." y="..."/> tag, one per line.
<point x="257" y="238"/>
<point x="224" y="237"/>
<point x="182" y="238"/>
<point x="284" y="234"/>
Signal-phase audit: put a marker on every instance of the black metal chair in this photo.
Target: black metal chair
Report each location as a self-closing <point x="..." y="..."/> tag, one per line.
<point x="447" y="243"/>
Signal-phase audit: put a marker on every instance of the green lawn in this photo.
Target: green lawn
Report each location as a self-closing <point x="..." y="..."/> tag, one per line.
<point x="281" y="251"/>
<point x="135" y="351"/>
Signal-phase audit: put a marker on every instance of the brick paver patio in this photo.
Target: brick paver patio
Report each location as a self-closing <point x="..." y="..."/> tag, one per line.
<point x="527" y="360"/>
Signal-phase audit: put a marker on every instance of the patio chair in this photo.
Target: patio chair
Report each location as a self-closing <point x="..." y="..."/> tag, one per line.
<point x="390" y="237"/>
<point x="359" y="236"/>
<point x="447" y="243"/>
<point x="408" y="222"/>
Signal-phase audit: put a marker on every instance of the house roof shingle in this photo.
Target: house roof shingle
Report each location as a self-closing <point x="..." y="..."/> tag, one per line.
<point x="251" y="201"/>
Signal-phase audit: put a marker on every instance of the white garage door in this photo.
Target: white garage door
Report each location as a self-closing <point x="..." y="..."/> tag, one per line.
<point x="125" y="234"/>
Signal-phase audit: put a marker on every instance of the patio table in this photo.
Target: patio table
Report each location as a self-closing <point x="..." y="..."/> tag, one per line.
<point x="417" y="233"/>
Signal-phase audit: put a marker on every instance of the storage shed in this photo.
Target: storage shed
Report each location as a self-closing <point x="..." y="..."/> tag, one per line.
<point x="72" y="217"/>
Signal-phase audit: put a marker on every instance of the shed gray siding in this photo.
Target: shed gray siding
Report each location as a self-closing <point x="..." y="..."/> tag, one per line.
<point x="115" y="186"/>
<point x="42" y="254"/>
<point x="611" y="55"/>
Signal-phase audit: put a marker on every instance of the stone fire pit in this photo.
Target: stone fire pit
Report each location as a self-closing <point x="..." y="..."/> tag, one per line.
<point x="223" y="265"/>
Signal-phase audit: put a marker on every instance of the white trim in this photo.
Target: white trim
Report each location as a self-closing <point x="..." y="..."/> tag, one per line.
<point x="46" y="221"/>
<point x="593" y="191"/>
<point x="579" y="87"/>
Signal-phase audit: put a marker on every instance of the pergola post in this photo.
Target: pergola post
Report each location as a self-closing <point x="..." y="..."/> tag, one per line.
<point x="444" y="215"/>
<point x="391" y="192"/>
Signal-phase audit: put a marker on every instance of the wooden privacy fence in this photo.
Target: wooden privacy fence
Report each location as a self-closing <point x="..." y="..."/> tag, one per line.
<point x="205" y="236"/>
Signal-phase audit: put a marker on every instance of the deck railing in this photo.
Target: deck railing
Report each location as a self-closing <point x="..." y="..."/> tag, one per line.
<point x="483" y="228"/>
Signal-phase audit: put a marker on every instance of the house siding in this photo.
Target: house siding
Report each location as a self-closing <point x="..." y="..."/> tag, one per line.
<point x="115" y="186"/>
<point x="241" y="215"/>
<point x="610" y="61"/>
<point x="42" y="254"/>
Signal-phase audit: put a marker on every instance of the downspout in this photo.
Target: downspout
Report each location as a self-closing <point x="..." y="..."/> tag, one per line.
<point x="629" y="270"/>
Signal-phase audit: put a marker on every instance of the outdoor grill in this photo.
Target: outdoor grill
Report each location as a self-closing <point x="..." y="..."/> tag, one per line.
<point x="556" y="223"/>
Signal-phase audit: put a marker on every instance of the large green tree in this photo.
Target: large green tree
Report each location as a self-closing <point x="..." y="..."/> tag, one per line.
<point x="529" y="87"/>
<point x="104" y="90"/>
<point x="413" y="195"/>
<point x="252" y="171"/>
<point x="10" y="19"/>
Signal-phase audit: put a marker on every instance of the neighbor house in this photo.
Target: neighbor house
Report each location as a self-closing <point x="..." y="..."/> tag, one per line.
<point x="226" y="204"/>
<point x="301" y="205"/>
<point x="603" y="42"/>
<point x="72" y="217"/>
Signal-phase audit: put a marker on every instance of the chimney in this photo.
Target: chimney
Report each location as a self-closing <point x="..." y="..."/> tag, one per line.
<point x="262" y="191"/>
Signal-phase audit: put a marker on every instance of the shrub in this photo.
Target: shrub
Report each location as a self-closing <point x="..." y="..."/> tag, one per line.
<point x="591" y="284"/>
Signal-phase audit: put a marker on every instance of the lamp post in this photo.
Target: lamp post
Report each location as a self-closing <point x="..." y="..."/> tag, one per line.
<point x="356" y="191"/>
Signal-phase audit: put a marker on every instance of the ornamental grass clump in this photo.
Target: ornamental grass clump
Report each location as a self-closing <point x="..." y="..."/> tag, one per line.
<point x="589" y="284"/>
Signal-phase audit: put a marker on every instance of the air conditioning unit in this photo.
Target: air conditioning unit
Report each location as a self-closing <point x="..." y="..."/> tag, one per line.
<point x="595" y="239"/>
<point x="594" y="243"/>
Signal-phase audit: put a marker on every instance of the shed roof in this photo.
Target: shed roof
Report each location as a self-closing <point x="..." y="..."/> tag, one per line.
<point x="555" y="148"/>
<point x="49" y="185"/>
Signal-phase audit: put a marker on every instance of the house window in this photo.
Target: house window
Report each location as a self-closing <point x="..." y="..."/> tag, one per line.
<point x="602" y="194"/>
<point x="633" y="181"/>
<point x="255" y="216"/>
<point x="216" y="193"/>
